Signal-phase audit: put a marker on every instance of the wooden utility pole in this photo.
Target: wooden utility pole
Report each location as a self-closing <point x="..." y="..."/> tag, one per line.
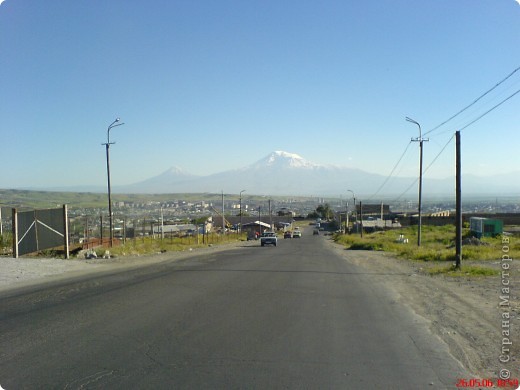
<point x="270" y="216"/>
<point x="361" y="216"/>
<point x="66" y="231"/>
<point x="458" y="203"/>
<point x="223" y="219"/>
<point x="346" y="219"/>
<point x="87" y="236"/>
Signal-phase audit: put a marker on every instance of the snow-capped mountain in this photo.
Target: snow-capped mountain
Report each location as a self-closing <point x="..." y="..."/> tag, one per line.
<point x="279" y="173"/>
<point x="283" y="173"/>
<point x="281" y="160"/>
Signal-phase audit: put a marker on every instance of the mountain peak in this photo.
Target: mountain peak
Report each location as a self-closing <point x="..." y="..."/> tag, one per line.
<point x="172" y="174"/>
<point x="281" y="159"/>
<point x="175" y="170"/>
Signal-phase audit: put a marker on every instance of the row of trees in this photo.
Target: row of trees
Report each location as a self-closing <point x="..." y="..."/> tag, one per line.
<point x="323" y="211"/>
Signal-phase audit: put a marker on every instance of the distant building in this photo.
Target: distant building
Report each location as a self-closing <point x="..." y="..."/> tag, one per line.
<point x="285" y="212"/>
<point x="378" y="209"/>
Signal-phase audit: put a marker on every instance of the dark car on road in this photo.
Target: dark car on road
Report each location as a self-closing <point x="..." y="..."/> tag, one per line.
<point x="268" y="238"/>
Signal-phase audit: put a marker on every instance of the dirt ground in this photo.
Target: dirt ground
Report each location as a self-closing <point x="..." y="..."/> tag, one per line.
<point x="26" y="271"/>
<point x="465" y="312"/>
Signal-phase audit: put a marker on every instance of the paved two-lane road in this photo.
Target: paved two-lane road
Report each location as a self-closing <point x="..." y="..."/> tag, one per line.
<point x="295" y="316"/>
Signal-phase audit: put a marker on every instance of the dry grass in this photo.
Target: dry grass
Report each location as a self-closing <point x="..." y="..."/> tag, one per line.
<point x="467" y="270"/>
<point x="437" y="244"/>
<point x="149" y="245"/>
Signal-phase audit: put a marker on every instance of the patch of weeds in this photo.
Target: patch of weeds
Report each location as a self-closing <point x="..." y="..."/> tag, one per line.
<point x="425" y="254"/>
<point x="465" y="271"/>
<point x="367" y="246"/>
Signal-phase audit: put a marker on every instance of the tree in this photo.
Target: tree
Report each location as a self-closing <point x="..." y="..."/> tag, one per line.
<point x="199" y="220"/>
<point x="314" y="214"/>
<point x="324" y="211"/>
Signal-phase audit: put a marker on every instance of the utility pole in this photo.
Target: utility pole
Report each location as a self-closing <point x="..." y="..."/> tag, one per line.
<point x="162" y="224"/>
<point x="346" y="219"/>
<point x="260" y="219"/>
<point x="361" y="216"/>
<point x="458" y="203"/>
<point x="240" y="229"/>
<point x="270" y="216"/>
<point x="355" y="209"/>
<point x="223" y="219"/>
<point x="420" y="140"/>
<point x="86" y="232"/>
<point x="339" y="213"/>
<point x="107" y="144"/>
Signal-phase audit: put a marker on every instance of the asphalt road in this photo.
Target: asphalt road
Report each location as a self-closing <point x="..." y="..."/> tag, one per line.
<point x="295" y="316"/>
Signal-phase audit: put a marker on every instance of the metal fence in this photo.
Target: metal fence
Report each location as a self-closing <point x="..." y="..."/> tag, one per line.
<point x="37" y="230"/>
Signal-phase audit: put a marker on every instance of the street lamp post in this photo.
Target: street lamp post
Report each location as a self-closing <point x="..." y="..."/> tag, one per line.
<point x="240" y="229"/>
<point x="107" y="144"/>
<point x="260" y="219"/>
<point x="420" y="140"/>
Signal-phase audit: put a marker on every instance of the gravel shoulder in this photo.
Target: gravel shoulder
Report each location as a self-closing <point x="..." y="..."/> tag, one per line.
<point x="465" y="312"/>
<point x="31" y="271"/>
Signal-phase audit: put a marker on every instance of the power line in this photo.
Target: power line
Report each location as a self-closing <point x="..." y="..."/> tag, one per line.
<point x="438" y="154"/>
<point x="407" y="189"/>
<point x="475" y="101"/>
<point x="391" y="173"/>
<point x="491" y="109"/>
<point x="446" y="121"/>
<point x="466" y="126"/>
<point x="426" y="170"/>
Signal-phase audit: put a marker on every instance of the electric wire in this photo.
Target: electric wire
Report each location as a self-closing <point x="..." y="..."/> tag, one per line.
<point x="447" y="143"/>
<point x="426" y="169"/>
<point x="491" y="109"/>
<point x="474" y="102"/>
<point x="464" y="127"/>
<point x="438" y="154"/>
<point x="391" y="173"/>
<point x="407" y="189"/>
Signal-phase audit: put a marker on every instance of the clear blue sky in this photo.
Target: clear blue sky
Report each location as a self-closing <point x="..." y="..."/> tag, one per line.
<point x="215" y="85"/>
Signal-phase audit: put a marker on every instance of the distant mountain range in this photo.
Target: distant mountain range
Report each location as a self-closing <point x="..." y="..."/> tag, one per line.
<point x="283" y="173"/>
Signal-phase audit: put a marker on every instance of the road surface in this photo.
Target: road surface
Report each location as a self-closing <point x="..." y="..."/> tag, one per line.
<point x="294" y="316"/>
